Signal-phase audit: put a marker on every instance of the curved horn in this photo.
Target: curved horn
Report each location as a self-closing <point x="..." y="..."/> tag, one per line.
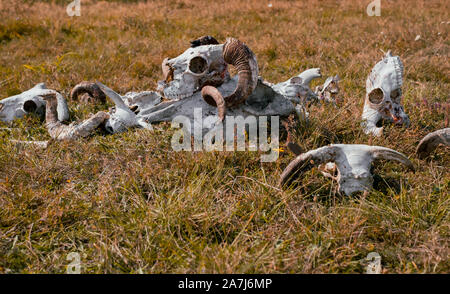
<point x="212" y="96"/>
<point x="60" y="131"/>
<point x="167" y="70"/>
<point x="431" y="141"/>
<point x="116" y="98"/>
<point x="389" y="154"/>
<point x="307" y="161"/>
<point x="240" y="56"/>
<point x="90" y="88"/>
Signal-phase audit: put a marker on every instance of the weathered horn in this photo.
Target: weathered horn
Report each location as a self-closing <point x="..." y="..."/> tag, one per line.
<point x="91" y="89"/>
<point x="213" y="97"/>
<point x="431" y="141"/>
<point x="389" y="154"/>
<point x="240" y="56"/>
<point x="60" y="131"/>
<point x="305" y="162"/>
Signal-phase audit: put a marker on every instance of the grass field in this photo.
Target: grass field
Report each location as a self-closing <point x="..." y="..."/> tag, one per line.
<point x="128" y="203"/>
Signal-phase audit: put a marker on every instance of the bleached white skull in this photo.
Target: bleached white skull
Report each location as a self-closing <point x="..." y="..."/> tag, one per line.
<point x="30" y="101"/>
<point x="383" y="95"/>
<point x="189" y="72"/>
<point x="297" y="89"/>
<point x="121" y="118"/>
<point x="352" y="162"/>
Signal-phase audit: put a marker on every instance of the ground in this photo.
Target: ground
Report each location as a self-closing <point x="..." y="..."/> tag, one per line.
<point x="128" y="203"/>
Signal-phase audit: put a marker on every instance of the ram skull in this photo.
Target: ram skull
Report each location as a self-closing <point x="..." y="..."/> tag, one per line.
<point x="352" y="162"/>
<point x="383" y="95"/>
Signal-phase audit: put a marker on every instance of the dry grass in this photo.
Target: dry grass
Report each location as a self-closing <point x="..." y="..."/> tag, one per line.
<point x="128" y="203"/>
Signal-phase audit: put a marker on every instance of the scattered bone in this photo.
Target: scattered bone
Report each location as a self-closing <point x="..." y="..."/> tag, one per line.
<point x="89" y="92"/>
<point x="181" y="86"/>
<point x="329" y="91"/>
<point x="431" y="141"/>
<point x="60" y="131"/>
<point x="38" y="144"/>
<point x="352" y="162"/>
<point x="297" y="89"/>
<point x="383" y="95"/>
<point x="121" y="118"/>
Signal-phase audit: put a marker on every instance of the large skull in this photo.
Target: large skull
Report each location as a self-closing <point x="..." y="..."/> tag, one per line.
<point x="30" y="101"/>
<point x="189" y="72"/>
<point x="383" y="95"/>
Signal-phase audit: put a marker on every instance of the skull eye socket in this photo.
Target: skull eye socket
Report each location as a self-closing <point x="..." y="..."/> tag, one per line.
<point x="29" y="106"/>
<point x="198" y="65"/>
<point x="376" y="96"/>
<point x="395" y="95"/>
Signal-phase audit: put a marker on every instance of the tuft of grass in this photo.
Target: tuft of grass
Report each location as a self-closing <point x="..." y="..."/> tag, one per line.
<point x="128" y="203"/>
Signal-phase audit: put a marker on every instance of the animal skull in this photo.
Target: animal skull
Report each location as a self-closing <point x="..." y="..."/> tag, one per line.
<point x="30" y="101"/>
<point x="121" y="118"/>
<point x="432" y="141"/>
<point x="189" y="72"/>
<point x="297" y="89"/>
<point x="353" y="164"/>
<point x="383" y="95"/>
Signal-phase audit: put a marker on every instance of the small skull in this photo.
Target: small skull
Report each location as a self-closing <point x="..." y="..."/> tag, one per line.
<point x="189" y="72"/>
<point x="383" y="98"/>
<point x="26" y="102"/>
<point x="297" y="89"/>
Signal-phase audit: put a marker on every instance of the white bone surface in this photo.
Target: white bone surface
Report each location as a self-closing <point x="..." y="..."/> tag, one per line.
<point x="387" y="76"/>
<point x="266" y="100"/>
<point x="298" y="88"/>
<point x="122" y="118"/>
<point x="329" y="90"/>
<point x="185" y="82"/>
<point x="352" y="162"/>
<point x="12" y="108"/>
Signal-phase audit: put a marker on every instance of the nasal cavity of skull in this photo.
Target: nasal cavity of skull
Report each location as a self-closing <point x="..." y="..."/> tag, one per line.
<point x="376" y="96"/>
<point x="198" y="65"/>
<point x="29" y="106"/>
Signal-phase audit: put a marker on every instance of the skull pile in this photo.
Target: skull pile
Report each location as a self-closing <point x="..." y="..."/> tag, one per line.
<point x="199" y="79"/>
